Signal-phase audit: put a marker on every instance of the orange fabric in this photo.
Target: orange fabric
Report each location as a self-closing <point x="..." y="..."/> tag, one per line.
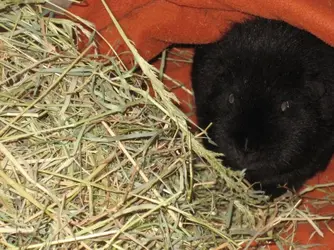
<point x="305" y="233"/>
<point x="153" y="25"/>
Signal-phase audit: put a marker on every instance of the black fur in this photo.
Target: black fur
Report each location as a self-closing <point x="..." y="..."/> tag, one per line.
<point x="265" y="63"/>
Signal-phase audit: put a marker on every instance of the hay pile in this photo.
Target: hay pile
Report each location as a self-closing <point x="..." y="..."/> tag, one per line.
<point x="89" y="160"/>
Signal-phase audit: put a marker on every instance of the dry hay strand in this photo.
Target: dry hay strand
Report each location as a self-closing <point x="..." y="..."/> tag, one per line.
<point x="89" y="159"/>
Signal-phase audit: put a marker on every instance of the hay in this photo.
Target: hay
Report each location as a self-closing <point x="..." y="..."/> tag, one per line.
<point x="90" y="160"/>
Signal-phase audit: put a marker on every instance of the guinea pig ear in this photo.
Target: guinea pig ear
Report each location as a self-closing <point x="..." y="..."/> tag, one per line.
<point x="319" y="73"/>
<point x="320" y="94"/>
<point x="316" y="85"/>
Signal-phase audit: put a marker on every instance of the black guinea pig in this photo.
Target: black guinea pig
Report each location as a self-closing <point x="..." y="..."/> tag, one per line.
<point x="268" y="89"/>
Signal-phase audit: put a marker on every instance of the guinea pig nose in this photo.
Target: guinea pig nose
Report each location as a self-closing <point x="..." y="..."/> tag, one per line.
<point x="246" y="144"/>
<point x="250" y="145"/>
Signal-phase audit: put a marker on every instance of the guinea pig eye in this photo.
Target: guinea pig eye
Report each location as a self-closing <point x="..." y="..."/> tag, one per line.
<point x="285" y="105"/>
<point x="231" y="98"/>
